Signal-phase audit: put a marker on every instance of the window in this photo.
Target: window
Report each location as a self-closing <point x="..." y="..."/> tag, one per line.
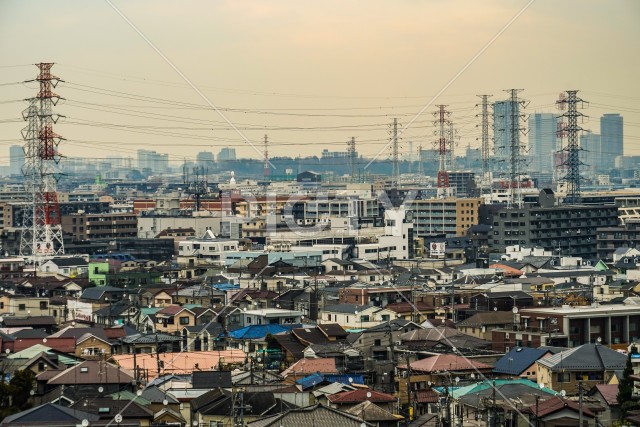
<point x="184" y="320"/>
<point x="377" y="342"/>
<point x="22" y="307"/>
<point x="564" y="377"/>
<point x="43" y="305"/>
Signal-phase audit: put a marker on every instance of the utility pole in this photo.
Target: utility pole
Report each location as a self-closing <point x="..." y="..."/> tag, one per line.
<point x="572" y="160"/>
<point x="580" y="403"/>
<point x="157" y="355"/>
<point x="409" y="401"/>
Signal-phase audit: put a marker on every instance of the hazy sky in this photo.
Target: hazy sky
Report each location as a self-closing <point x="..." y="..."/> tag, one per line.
<point x="309" y="74"/>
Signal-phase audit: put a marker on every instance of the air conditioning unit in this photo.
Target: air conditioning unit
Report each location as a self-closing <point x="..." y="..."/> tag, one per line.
<point x="506" y="335"/>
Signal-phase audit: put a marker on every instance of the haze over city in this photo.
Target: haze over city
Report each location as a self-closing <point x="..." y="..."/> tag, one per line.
<point x="311" y="76"/>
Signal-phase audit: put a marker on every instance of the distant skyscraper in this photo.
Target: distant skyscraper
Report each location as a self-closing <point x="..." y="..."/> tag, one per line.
<point x="16" y="159"/>
<point x="206" y="161"/>
<point x="503" y="112"/>
<point x="153" y="161"/>
<point x="612" y="139"/>
<point x="227" y="154"/>
<point x="591" y="154"/>
<point x="543" y="142"/>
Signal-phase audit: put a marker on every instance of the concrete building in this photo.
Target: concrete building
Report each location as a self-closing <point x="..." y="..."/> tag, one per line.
<point x="611" y="131"/>
<point x="543" y="142"/>
<point x="503" y="115"/>
<point x="591" y="154"/>
<point x="84" y="226"/>
<point x="570" y="229"/>
<point x="227" y="154"/>
<point x="205" y="250"/>
<point x="16" y="159"/>
<point x="452" y="216"/>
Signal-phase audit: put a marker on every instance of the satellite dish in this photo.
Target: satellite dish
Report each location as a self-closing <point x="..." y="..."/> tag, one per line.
<point x="563" y="393"/>
<point x="118" y="418"/>
<point x="514" y="310"/>
<point x="368" y="394"/>
<point x="100" y="389"/>
<point x="85" y="423"/>
<point x="541" y="386"/>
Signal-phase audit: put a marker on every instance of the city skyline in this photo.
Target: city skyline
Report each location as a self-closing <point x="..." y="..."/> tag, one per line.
<point x="282" y="70"/>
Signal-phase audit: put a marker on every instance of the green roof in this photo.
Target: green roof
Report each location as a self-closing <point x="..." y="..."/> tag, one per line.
<point x="130" y="396"/>
<point x="33" y="351"/>
<point x="475" y="388"/>
<point x="145" y="311"/>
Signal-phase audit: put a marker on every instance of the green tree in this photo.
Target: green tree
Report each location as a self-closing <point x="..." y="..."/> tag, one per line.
<point x="625" y="388"/>
<point x="21" y="385"/>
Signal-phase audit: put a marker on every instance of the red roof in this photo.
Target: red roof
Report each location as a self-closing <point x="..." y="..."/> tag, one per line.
<point x="556" y="403"/>
<point x="426" y="396"/>
<point x="323" y="365"/>
<point x="609" y="393"/>
<point x="447" y="362"/>
<point x="360" y="395"/>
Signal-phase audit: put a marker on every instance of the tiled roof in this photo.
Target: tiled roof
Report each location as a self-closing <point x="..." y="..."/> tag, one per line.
<point x="172" y="310"/>
<point x="587" y="357"/>
<point x="310" y="366"/>
<point x="518" y="359"/>
<point x="609" y="393"/>
<point x="311" y="416"/>
<point x="361" y="395"/>
<point x="447" y="362"/>
<point x="372" y="412"/>
<point x="557" y="403"/>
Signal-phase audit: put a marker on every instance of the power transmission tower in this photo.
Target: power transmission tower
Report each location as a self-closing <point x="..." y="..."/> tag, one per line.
<point x="395" y="175"/>
<point x="266" y="169"/>
<point x="196" y="185"/>
<point x="559" y="169"/>
<point x="442" y="146"/>
<point x="351" y="150"/>
<point x="516" y="158"/>
<point x="41" y="225"/>
<point x="452" y="143"/>
<point x="572" y="161"/>
<point x="484" y="125"/>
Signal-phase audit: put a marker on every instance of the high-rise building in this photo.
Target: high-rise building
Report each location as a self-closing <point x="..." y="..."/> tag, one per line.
<point x="153" y="161"/>
<point x="591" y="154"/>
<point x="16" y="159"/>
<point x="543" y="142"/>
<point x="503" y="115"/>
<point x="205" y="161"/>
<point x="611" y="138"/>
<point x="227" y="154"/>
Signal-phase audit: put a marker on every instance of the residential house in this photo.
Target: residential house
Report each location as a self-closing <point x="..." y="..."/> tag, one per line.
<point x="481" y="324"/>
<point x="353" y="316"/>
<point x="520" y="362"/>
<point x="589" y="364"/>
<point x="68" y="267"/>
<point x="311" y="416"/>
<point x="174" y="318"/>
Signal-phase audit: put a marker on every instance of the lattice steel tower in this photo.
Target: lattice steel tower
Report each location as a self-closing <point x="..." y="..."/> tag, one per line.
<point x="572" y="160"/>
<point x="484" y="125"/>
<point x="41" y="231"/>
<point x="395" y="156"/>
<point x="516" y="158"/>
<point x="442" y="146"/>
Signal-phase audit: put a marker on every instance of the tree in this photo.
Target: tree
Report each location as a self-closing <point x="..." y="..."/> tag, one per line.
<point x="625" y="388"/>
<point x="21" y="385"/>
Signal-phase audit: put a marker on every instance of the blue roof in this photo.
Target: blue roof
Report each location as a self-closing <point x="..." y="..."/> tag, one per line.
<point x="315" y="379"/>
<point x="517" y="360"/>
<point x="255" y="332"/>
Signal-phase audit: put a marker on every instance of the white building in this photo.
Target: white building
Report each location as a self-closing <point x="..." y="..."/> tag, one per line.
<point x="205" y="250"/>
